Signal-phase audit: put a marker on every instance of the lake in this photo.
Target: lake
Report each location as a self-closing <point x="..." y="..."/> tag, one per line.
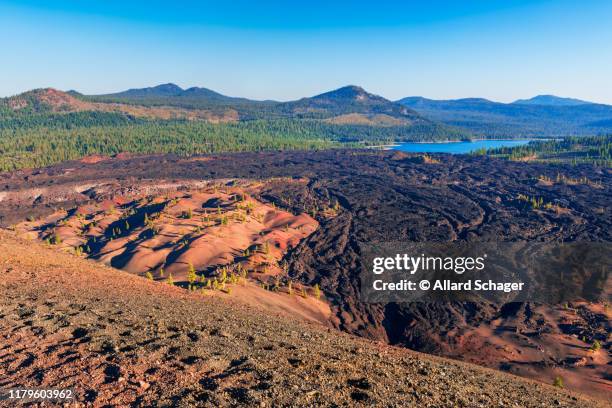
<point x="456" y="147"/>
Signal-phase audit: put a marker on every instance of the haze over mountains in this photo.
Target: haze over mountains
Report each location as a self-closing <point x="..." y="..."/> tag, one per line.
<point x="540" y="116"/>
<point x="551" y="100"/>
<point x="543" y="115"/>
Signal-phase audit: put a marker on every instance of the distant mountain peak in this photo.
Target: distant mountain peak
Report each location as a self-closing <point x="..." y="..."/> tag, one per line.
<point x="413" y="100"/>
<point x="349" y="104"/>
<point x="352" y="88"/>
<point x="171" y="91"/>
<point x="168" y="89"/>
<point x="542" y="116"/>
<point x="45" y="99"/>
<point x="550" y="100"/>
<point x="347" y="92"/>
<point x="475" y="100"/>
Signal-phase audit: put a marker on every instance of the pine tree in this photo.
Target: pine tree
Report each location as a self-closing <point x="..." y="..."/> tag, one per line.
<point x="191" y="274"/>
<point x="317" y="291"/>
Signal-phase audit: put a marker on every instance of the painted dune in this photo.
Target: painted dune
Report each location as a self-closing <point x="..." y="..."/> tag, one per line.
<point x="199" y="230"/>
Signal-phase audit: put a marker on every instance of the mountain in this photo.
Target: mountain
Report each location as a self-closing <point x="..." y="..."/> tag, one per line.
<point x="486" y="118"/>
<point x="30" y="106"/>
<point x="168" y="91"/>
<point x="162" y="90"/>
<point x="355" y="114"/>
<point x="362" y="106"/>
<point x="350" y="100"/>
<point x="45" y="100"/>
<point x="170" y="94"/>
<point x="550" y="100"/>
<point x="349" y="105"/>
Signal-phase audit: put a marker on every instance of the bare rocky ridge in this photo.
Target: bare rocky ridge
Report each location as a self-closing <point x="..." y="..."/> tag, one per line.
<point x="119" y="339"/>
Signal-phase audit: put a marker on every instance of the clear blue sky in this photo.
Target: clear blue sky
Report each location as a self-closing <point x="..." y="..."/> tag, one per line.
<point x="497" y="49"/>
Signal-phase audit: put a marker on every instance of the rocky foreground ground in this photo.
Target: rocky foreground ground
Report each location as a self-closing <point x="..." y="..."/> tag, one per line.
<point x="118" y="339"/>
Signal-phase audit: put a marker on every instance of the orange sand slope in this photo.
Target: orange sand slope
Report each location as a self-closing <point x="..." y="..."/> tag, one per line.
<point x="171" y="234"/>
<point x="212" y="240"/>
<point x="120" y="340"/>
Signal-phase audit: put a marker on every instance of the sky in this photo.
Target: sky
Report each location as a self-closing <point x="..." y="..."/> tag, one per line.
<point x="497" y="49"/>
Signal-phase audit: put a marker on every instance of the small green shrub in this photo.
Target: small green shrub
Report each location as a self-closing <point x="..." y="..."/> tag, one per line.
<point x="317" y="291"/>
<point x="596" y="346"/>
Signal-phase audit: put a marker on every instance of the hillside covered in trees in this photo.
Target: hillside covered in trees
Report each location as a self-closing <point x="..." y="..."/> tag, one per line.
<point x="541" y="116"/>
<point x="575" y="150"/>
<point x="46" y="126"/>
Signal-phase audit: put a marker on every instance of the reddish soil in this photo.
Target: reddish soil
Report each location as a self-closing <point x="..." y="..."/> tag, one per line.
<point x="228" y="240"/>
<point x="117" y="339"/>
<point x="94" y="158"/>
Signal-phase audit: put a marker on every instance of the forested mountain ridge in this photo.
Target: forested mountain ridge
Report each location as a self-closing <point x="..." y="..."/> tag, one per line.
<point x="28" y="107"/>
<point x="46" y="126"/>
<point x="350" y="100"/>
<point x="550" y="100"/>
<point x="540" y="117"/>
<point x="343" y="101"/>
<point x="349" y="105"/>
<point x="43" y="100"/>
<point x="172" y="95"/>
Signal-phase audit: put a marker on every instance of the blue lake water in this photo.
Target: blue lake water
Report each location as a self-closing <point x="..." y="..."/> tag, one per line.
<point x="456" y="147"/>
